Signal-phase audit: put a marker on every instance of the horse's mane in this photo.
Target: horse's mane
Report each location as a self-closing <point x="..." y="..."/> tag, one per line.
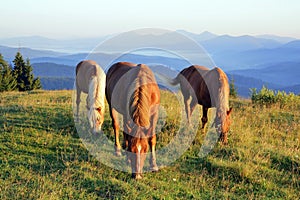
<point x="96" y="89"/>
<point x="219" y="90"/>
<point x="139" y="107"/>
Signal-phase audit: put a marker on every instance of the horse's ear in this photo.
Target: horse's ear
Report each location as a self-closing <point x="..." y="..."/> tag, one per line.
<point x="229" y="111"/>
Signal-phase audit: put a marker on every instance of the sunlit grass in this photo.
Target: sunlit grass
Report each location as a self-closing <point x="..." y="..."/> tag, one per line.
<point x="42" y="156"/>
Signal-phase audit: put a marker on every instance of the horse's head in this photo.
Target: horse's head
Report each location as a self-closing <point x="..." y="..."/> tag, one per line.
<point x="137" y="147"/>
<point x="96" y="118"/>
<point x="223" y="124"/>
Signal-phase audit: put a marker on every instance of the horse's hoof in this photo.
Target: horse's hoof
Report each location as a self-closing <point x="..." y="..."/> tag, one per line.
<point x="96" y="134"/>
<point x="154" y="169"/>
<point x="224" y="142"/>
<point x="136" y="176"/>
<point x="118" y="152"/>
<point x="76" y="120"/>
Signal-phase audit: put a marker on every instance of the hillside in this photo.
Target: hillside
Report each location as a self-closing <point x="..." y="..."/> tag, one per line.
<point x="53" y="70"/>
<point x="243" y="83"/>
<point x="54" y="76"/>
<point x="42" y="157"/>
<point x="284" y="74"/>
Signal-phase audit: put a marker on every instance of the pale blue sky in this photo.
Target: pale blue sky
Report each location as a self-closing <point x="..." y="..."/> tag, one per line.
<point x="93" y="18"/>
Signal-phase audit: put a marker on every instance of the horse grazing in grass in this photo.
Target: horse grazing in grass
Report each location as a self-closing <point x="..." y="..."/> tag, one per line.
<point x="208" y="88"/>
<point x="90" y="79"/>
<point x="132" y="91"/>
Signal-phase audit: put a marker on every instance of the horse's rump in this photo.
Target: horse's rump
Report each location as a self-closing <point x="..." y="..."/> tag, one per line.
<point x="85" y="71"/>
<point x="136" y="85"/>
<point x="218" y="88"/>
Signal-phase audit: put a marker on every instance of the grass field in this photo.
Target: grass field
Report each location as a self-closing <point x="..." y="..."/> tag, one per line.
<point x="42" y="156"/>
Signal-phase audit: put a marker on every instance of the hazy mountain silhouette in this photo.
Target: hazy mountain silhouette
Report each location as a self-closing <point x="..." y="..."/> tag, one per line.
<point x="252" y="60"/>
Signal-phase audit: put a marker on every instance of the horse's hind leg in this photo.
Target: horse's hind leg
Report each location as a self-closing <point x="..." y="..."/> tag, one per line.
<point x="126" y="132"/>
<point x="78" y="92"/>
<point x="192" y="106"/>
<point x="115" y="124"/>
<point x="152" y="144"/>
<point x="152" y="139"/>
<point x="187" y="108"/>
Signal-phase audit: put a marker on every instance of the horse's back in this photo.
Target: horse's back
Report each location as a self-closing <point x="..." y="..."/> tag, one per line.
<point x="194" y="70"/>
<point x="194" y="74"/>
<point x="120" y="66"/>
<point x="114" y="78"/>
<point x="149" y="81"/>
<point x="131" y="71"/>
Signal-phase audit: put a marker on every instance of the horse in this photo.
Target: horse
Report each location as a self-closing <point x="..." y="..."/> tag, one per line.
<point x="90" y="79"/>
<point x="132" y="91"/>
<point x="208" y="88"/>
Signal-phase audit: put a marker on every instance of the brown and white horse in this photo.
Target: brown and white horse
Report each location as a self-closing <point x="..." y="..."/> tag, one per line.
<point x="132" y="91"/>
<point x="90" y="79"/>
<point x="209" y="88"/>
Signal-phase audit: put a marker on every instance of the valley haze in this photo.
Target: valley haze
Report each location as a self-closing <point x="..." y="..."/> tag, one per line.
<point x="251" y="61"/>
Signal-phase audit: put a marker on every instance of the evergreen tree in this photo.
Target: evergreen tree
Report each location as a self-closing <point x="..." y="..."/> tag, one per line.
<point x="30" y="82"/>
<point x="7" y="79"/>
<point x="24" y="76"/>
<point x="18" y="71"/>
<point x="37" y="84"/>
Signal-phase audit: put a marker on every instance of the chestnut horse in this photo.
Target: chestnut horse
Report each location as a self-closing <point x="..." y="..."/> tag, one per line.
<point x="90" y="79"/>
<point x="132" y="91"/>
<point x="208" y="88"/>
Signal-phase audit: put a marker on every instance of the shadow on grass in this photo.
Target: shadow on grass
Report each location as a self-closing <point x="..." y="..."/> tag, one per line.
<point x="57" y="120"/>
<point x="288" y="164"/>
<point x="102" y="188"/>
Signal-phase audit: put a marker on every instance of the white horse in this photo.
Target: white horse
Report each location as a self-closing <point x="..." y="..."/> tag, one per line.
<point x="90" y="79"/>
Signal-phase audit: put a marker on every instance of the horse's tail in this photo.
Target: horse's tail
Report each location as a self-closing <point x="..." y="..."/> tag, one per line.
<point x="165" y="79"/>
<point x="78" y="66"/>
<point x="174" y="81"/>
<point x="139" y="107"/>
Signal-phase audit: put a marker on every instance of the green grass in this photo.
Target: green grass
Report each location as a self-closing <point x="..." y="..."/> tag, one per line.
<point x="42" y="157"/>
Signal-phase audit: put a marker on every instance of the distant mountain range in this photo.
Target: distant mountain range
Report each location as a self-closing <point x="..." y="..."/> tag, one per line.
<point x="60" y="45"/>
<point x="252" y="61"/>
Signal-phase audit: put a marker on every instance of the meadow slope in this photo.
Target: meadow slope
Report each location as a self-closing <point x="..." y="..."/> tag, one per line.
<point x="42" y="156"/>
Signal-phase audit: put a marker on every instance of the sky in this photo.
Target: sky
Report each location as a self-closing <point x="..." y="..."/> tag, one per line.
<point x="63" y="19"/>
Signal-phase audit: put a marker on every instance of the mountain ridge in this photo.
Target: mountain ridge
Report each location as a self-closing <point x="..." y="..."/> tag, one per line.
<point x="245" y="56"/>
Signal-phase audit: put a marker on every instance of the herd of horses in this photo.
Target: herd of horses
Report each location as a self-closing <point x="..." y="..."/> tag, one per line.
<point x="132" y="91"/>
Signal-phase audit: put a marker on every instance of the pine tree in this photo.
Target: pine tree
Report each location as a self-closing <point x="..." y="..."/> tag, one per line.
<point x="18" y="71"/>
<point x="37" y="84"/>
<point x="30" y="82"/>
<point x="7" y="79"/>
<point x="24" y="76"/>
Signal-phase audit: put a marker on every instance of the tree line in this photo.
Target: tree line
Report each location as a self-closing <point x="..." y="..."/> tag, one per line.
<point x="18" y="77"/>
